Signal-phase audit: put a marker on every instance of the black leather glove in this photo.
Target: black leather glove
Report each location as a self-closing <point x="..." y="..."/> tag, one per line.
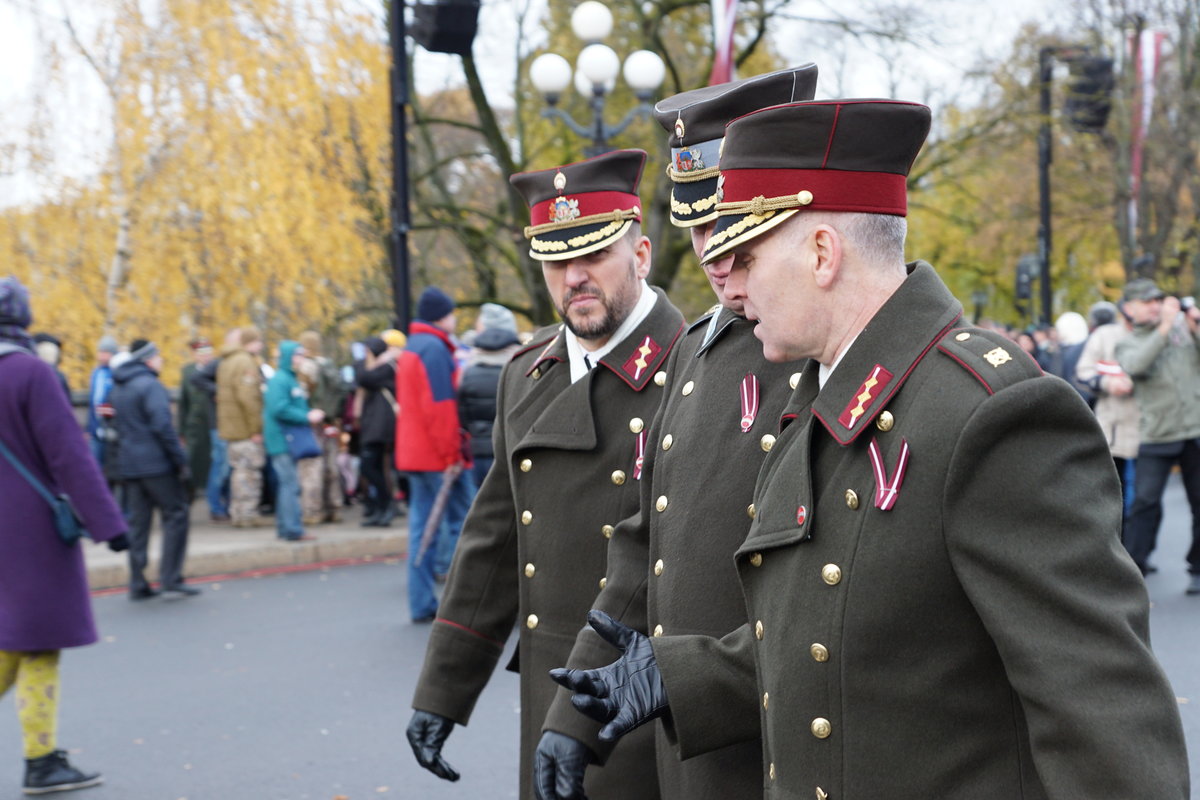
<point x="427" y="733"/>
<point x="558" y="766"/>
<point x="628" y="692"/>
<point x="118" y="543"/>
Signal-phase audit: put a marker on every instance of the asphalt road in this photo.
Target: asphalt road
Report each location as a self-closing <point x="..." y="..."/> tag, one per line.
<point x="297" y="686"/>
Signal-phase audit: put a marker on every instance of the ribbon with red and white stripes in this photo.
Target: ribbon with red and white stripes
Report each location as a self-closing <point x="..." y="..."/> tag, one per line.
<point x="640" y="459"/>
<point x="887" y="489"/>
<point x="749" y="392"/>
<point x="724" y="14"/>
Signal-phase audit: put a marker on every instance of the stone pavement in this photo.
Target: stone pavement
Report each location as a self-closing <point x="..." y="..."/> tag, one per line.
<point x="220" y="549"/>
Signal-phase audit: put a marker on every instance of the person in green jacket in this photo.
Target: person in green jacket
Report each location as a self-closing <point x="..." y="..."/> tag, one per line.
<point x="285" y="406"/>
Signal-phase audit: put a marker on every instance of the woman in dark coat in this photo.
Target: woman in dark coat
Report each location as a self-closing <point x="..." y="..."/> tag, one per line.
<point x="44" y="600"/>
<point x="376" y="379"/>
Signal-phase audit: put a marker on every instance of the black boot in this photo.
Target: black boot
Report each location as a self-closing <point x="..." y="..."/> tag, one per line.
<point x="53" y="773"/>
<point x="389" y="514"/>
<point x="370" y="518"/>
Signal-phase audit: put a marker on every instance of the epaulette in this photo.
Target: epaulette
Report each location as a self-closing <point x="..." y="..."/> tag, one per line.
<point x="541" y="337"/>
<point x="995" y="360"/>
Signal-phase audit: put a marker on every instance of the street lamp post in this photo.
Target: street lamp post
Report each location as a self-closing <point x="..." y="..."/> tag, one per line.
<point x="595" y="76"/>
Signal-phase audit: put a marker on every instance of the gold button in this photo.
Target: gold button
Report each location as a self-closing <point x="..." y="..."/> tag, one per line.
<point x="756" y="559"/>
<point x="688" y="387"/>
<point x="885" y="421"/>
<point x="658" y="630"/>
<point x="750" y="511"/>
<point x="822" y="794"/>
<point x="607" y="530"/>
<point x="531" y="621"/>
<point x="766" y="696"/>
<point x="962" y="337"/>
<point x="603" y="582"/>
<point x="529" y="570"/>
<point x="794" y="381"/>
<point x="767" y="443"/>
<point x="852" y="499"/>
<point x="618" y="477"/>
<point x="526" y="465"/>
<point x="771" y="771"/>
<point x="661" y="505"/>
<point x="636" y="425"/>
<point x="804" y="197"/>
<point x="526" y="517"/>
<point x="658" y="567"/>
<point x="819" y="652"/>
<point x="668" y="440"/>
<point x="660" y="378"/>
<point x="758" y="629"/>
<point x="831" y="574"/>
<point x="821" y="728"/>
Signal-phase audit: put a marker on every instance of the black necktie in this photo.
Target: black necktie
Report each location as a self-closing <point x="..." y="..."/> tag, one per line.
<point x="587" y="362"/>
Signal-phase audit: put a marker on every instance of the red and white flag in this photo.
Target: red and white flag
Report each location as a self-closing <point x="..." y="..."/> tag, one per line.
<point x="1146" y="47"/>
<point x="724" y="15"/>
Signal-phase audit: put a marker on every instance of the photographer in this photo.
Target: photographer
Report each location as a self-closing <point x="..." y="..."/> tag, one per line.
<point x="1162" y="356"/>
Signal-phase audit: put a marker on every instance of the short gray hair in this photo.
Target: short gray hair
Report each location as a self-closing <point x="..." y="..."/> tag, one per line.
<point x="872" y="238"/>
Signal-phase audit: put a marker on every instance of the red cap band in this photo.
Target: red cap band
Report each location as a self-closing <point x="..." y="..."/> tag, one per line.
<point x="588" y="203"/>
<point x="832" y="190"/>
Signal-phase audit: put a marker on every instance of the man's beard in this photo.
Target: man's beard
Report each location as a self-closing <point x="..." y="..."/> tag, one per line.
<point x="616" y="309"/>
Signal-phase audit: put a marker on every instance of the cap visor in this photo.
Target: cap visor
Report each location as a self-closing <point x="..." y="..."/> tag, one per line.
<point x="693" y="203"/>
<point x="734" y="230"/>
<point x="578" y="241"/>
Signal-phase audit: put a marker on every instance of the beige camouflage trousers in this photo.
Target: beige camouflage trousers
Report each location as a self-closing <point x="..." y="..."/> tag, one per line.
<point x="320" y="482"/>
<point x="246" y="460"/>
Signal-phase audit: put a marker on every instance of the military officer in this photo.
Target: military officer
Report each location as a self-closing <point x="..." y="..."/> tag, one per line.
<point x="938" y="602"/>
<point x="670" y="567"/>
<point x="570" y="437"/>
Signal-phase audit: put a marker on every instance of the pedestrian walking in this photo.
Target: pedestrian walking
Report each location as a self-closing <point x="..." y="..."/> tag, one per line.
<point x="240" y="425"/>
<point x="673" y="572"/>
<point x="45" y="606"/>
<point x="570" y="440"/>
<point x="937" y="601"/>
<point x="153" y="467"/>
<point x="286" y="414"/>
<point x="429" y="446"/>
<point x="197" y="418"/>
<point x="1162" y="356"/>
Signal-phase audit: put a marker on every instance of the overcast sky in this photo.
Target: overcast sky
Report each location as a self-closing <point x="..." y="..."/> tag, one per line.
<point x="965" y="30"/>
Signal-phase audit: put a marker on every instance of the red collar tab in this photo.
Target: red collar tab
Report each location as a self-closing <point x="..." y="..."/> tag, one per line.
<point x="638" y="364"/>
<point x="871" y="388"/>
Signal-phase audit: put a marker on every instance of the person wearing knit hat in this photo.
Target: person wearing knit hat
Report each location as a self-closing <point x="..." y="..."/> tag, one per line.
<point x="99" y="430"/>
<point x="153" y="468"/>
<point x="434" y="305"/>
<point x="935" y="526"/>
<point x="737" y="399"/>
<point x="45" y="602"/>
<point x="570" y="445"/>
<point x="495" y="316"/>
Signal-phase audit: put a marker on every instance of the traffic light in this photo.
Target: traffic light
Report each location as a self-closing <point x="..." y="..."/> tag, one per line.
<point x="1027" y="270"/>
<point x="446" y="26"/>
<point x="1089" y="92"/>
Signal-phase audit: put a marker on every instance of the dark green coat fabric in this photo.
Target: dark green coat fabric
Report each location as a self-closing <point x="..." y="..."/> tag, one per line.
<point x="533" y="548"/>
<point x="672" y="572"/>
<point x="984" y="639"/>
<point x="197" y="419"/>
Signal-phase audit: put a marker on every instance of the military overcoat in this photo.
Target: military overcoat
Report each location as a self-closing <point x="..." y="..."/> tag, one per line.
<point x="533" y="548"/>
<point x="938" y="602"/>
<point x="670" y="566"/>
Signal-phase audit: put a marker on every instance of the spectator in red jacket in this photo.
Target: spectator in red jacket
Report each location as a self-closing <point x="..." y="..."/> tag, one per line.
<point x="429" y="446"/>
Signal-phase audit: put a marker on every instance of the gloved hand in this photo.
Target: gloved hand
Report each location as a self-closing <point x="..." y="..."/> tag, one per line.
<point x="427" y="733"/>
<point x="118" y="543"/>
<point x="628" y="692"/>
<point x="558" y="766"/>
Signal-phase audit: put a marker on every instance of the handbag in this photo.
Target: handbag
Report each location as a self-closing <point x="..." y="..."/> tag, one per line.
<point x="301" y="442"/>
<point x="66" y="519"/>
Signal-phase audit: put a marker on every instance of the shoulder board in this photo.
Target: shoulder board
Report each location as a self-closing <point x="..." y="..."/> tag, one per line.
<point x="704" y="318"/>
<point x="540" y="338"/>
<point x="992" y="358"/>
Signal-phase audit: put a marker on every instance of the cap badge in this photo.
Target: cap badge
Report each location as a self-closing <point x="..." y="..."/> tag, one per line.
<point x="688" y="160"/>
<point x="560" y="181"/>
<point x="564" y="209"/>
<point x="679" y="129"/>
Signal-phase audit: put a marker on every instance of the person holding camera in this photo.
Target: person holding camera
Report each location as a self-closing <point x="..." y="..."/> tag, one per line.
<point x="1162" y="356"/>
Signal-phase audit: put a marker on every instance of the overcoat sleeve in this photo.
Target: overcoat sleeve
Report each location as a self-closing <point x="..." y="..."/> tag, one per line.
<point x="1070" y="624"/>
<point x="1137" y="353"/>
<point x="480" y="604"/>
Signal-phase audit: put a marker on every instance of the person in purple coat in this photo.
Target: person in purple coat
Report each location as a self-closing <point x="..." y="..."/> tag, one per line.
<point x="44" y="600"/>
